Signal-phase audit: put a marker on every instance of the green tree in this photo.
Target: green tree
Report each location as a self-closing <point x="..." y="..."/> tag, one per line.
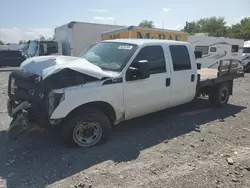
<point x="213" y="26"/>
<point x="1" y="42"/>
<point x="146" y="23"/>
<point x="192" y="28"/>
<point x="240" y="30"/>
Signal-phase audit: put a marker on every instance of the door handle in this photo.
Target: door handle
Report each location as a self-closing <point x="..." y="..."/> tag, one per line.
<point x="192" y="78"/>
<point x="168" y="80"/>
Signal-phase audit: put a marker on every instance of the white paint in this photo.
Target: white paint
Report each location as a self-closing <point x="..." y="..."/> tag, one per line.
<point x="45" y="66"/>
<point x="131" y="99"/>
<point x="81" y="35"/>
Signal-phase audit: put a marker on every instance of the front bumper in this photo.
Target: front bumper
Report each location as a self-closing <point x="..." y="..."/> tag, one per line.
<point x="20" y="123"/>
<point x="18" y="126"/>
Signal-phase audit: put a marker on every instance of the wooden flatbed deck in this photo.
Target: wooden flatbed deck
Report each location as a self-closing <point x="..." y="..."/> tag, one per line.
<point x="207" y="73"/>
<point x="227" y="70"/>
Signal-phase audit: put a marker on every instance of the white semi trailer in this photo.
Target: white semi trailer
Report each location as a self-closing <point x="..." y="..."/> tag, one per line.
<point x="70" y="39"/>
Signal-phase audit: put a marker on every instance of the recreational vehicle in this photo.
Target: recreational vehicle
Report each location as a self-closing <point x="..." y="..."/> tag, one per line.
<point x="215" y="49"/>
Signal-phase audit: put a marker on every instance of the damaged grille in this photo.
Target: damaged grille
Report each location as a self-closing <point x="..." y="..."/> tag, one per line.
<point x="23" y="85"/>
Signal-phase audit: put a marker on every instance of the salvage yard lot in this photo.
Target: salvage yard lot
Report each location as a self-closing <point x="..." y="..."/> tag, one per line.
<point x="187" y="146"/>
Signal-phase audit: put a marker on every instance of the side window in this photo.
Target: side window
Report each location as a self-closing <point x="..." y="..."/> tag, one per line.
<point x="49" y="48"/>
<point x="52" y="47"/>
<point x="235" y="48"/>
<point x="213" y="49"/>
<point x="180" y="57"/>
<point x="203" y="49"/>
<point x="155" y="57"/>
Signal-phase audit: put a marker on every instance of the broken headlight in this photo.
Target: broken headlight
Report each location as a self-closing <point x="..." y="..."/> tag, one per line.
<point x="55" y="98"/>
<point x="12" y="86"/>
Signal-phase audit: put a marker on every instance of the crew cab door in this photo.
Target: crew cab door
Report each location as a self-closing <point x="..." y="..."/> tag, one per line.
<point x="143" y="96"/>
<point x="183" y="74"/>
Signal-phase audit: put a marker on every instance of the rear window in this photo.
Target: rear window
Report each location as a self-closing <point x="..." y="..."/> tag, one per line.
<point x="180" y="57"/>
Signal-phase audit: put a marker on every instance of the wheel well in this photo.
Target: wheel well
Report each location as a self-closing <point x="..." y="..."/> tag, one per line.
<point x="105" y="107"/>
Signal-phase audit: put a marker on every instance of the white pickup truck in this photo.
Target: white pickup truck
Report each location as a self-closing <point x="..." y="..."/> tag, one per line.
<point x="113" y="81"/>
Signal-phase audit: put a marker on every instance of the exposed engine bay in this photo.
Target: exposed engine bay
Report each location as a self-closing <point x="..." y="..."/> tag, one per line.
<point x="37" y="94"/>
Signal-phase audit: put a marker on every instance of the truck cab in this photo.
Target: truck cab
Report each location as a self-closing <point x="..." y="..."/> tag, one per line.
<point x="44" y="47"/>
<point x="113" y="81"/>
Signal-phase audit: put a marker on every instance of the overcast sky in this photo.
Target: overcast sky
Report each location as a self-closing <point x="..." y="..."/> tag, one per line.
<point x="28" y="19"/>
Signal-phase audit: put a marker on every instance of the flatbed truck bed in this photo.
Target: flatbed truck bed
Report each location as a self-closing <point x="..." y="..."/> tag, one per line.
<point x="211" y="82"/>
<point x="227" y="71"/>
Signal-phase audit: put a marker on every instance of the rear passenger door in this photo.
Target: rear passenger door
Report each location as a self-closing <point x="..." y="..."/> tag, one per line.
<point x="183" y="76"/>
<point x="151" y="94"/>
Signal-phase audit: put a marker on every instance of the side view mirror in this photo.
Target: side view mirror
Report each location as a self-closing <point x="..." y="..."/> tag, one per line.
<point x="198" y="66"/>
<point x="198" y="54"/>
<point x="138" y="70"/>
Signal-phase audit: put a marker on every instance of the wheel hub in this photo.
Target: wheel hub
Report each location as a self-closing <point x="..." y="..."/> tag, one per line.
<point x="223" y="95"/>
<point x="87" y="134"/>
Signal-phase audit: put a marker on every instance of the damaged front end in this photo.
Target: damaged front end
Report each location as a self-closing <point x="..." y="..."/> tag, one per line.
<point x="33" y="100"/>
<point x="20" y="122"/>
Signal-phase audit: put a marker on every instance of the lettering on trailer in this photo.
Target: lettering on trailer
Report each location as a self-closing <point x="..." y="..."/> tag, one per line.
<point x="114" y="36"/>
<point x="158" y="36"/>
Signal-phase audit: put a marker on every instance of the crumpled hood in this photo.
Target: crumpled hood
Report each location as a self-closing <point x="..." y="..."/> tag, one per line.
<point x="45" y="66"/>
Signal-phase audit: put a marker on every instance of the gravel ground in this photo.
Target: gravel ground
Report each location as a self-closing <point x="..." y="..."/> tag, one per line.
<point x="204" y="147"/>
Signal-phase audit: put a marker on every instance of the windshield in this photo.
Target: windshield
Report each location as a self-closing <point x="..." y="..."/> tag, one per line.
<point x="110" y="55"/>
<point x="32" y="48"/>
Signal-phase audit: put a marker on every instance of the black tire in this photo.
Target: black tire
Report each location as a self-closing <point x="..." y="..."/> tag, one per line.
<point x="211" y="98"/>
<point x="99" y="120"/>
<point x="220" y="96"/>
<point x="248" y="68"/>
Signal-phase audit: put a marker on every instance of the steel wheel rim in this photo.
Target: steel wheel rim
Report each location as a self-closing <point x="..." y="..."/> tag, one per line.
<point x="87" y="134"/>
<point x="223" y="95"/>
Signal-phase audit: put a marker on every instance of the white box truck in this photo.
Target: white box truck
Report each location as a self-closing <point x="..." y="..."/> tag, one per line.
<point x="71" y="39"/>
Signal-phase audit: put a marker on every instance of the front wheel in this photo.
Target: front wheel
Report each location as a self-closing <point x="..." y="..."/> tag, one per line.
<point x="90" y="128"/>
<point x="248" y="68"/>
<point x="220" y="96"/>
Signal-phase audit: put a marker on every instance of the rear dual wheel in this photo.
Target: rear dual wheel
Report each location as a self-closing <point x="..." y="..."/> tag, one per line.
<point x="220" y="96"/>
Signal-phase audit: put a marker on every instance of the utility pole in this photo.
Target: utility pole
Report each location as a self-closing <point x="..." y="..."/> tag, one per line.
<point x="162" y="25"/>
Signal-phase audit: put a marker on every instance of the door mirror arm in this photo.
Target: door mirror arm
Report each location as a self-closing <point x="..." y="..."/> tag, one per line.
<point x="138" y="70"/>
